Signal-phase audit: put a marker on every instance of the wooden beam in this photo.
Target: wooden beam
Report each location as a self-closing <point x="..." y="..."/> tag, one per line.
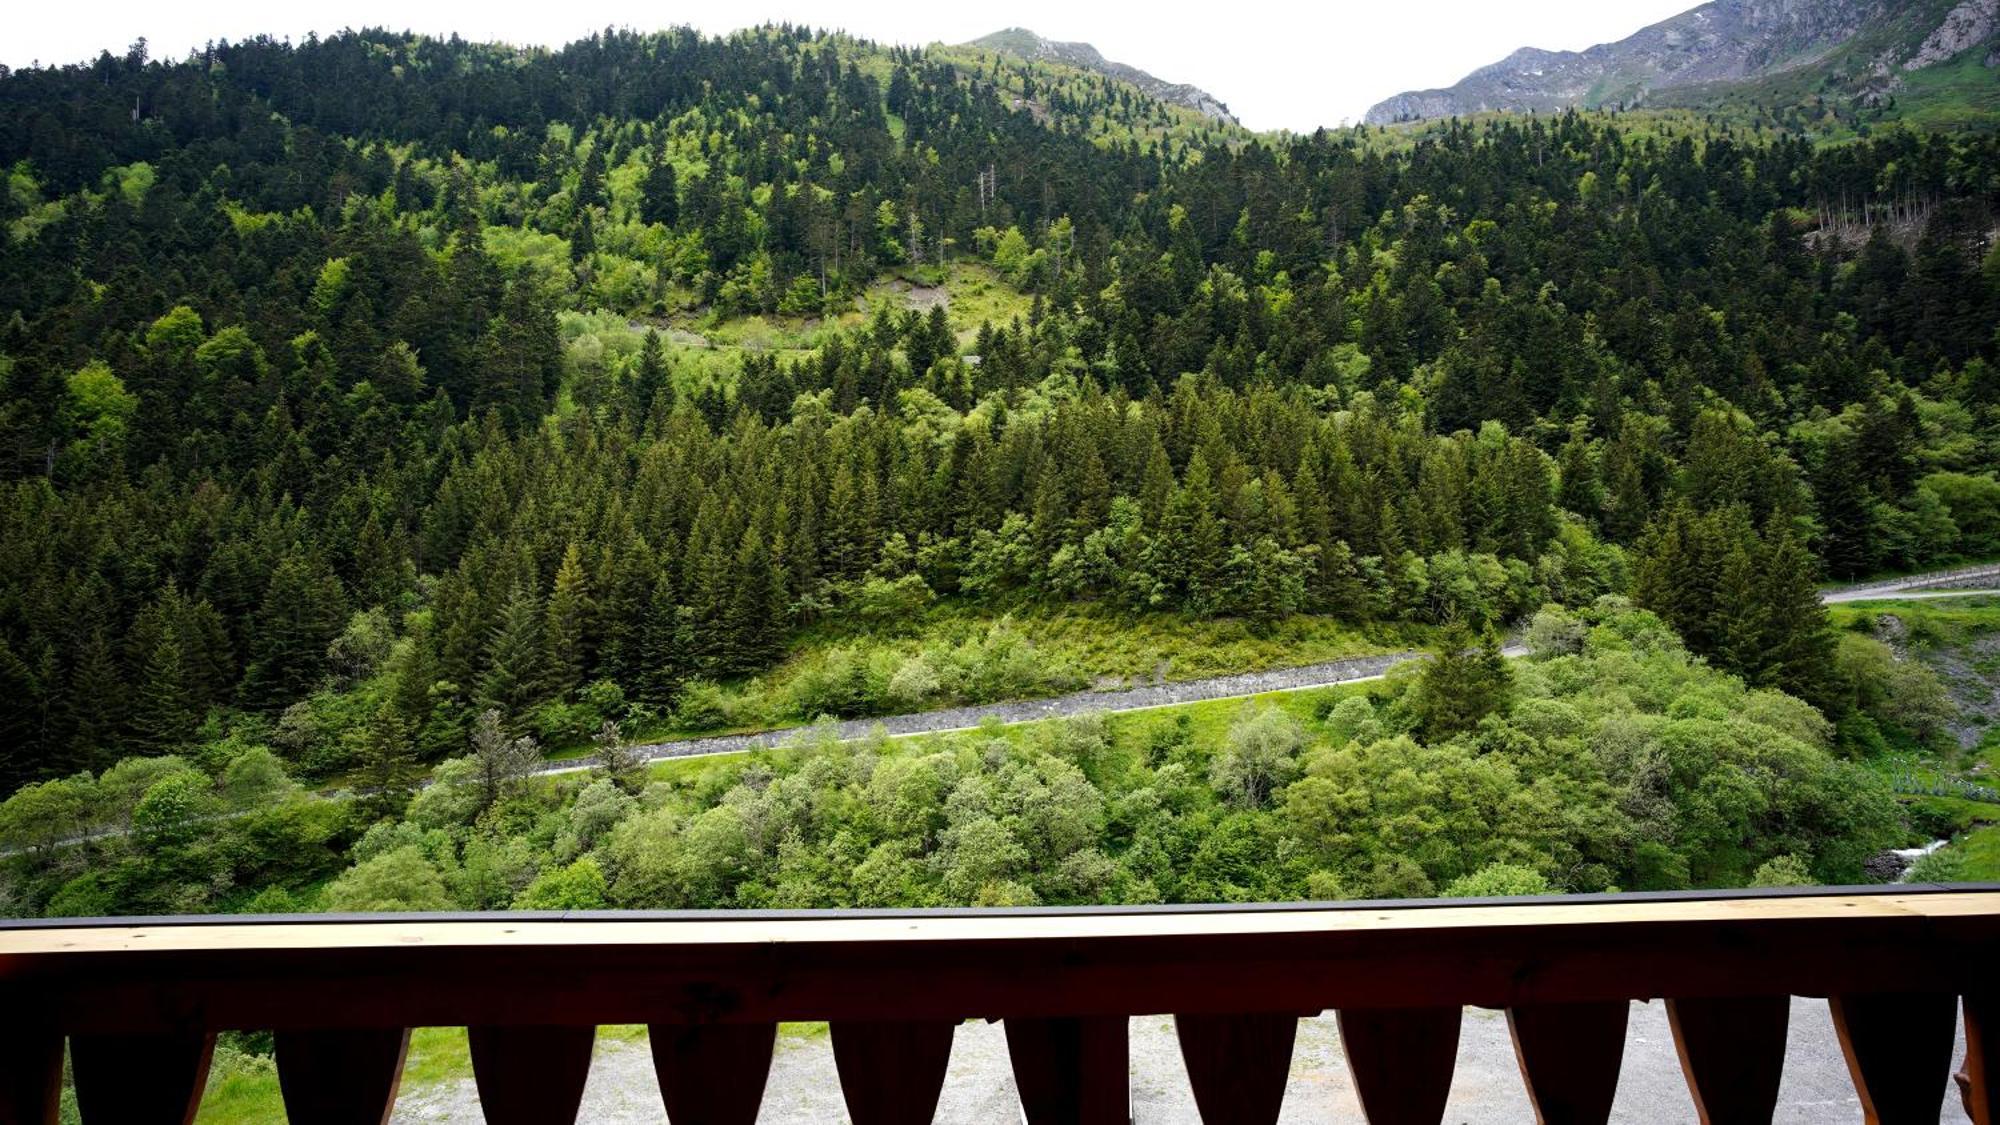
<point x="531" y="1075"/>
<point x="1898" y="1049"/>
<point x="341" y="1077"/>
<point x="1071" y="1071"/>
<point x="31" y="1058"/>
<point x="891" y="1072"/>
<point x="1402" y="1061"/>
<point x="140" y="1079"/>
<point x="713" y="1074"/>
<point x="1569" y="1056"/>
<point x="1732" y="1052"/>
<point x="1238" y="1065"/>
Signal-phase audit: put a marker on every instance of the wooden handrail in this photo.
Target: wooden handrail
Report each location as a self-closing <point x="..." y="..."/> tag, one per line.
<point x="1556" y="963"/>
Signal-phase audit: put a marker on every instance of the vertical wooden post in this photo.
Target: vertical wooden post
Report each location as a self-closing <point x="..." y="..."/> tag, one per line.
<point x="140" y="1079"/>
<point x="341" y="1077"/>
<point x="1071" y="1071"/>
<point x="1982" y="1058"/>
<point x="1898" y="1048"/>
<point x="1569" y="1056"/>
<point x="1238" y="1065"/>
<point x="31" y="1056"/>
<point x="713" y="1074"/>
<point x="530" y="1075"/>
<point x="1733" y="1054"/>
<point x="891" y="1072"/>
<point x="1402" y="1061"/>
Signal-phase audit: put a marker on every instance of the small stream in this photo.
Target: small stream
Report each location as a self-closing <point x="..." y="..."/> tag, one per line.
<point x="1910" y="856"/>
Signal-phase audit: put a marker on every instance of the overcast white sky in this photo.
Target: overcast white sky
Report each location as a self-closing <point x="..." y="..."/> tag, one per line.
<point x="1277" y="64"/>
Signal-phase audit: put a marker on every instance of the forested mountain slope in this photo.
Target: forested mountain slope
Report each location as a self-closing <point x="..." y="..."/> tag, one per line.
<point x="349" y="389"/>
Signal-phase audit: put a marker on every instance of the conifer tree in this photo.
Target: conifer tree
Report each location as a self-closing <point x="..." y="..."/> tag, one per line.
<point x="566" y="631"/>
<point x="516" y="658"/>
<point x="303" y="609"/>
<point x="388" y="762"/>
<point x="1463" y="682"/>
<point x="162" y="719"/>
<point x="650" y="386"/>
<point x="1799" y="641"/>
<point x="663" y="646"/>
<point x="660" y="195"/>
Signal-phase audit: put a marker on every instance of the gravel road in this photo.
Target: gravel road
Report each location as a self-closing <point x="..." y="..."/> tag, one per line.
<point x="1349" y="671"/>
<point x="1984" y="578"/>
<point x="979" y="1087"/>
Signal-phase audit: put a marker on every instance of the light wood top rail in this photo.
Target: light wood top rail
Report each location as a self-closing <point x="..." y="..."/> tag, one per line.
<point x="420" y="970"/>
<point x="722" y="928"/>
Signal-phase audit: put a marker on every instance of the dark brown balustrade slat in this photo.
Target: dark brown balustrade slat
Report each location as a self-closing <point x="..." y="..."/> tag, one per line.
<point x="1570" y="1056"/>
<point x="154" y="1079"/>
<point x="712" y="1074"/>
<point x="1732" y="1051"/>
<point x="892" y="1071"/>
<point x="1072" y="1071"/>
<point x="1237" y="1065"/>
<point x="1402" y="1061"/>
<point x="530" y="1075"/>
<point x="418" y="971"/>
<point x="31" y="1058"/>
<point x="346" y="1077"/>
<point x="1898" y="1048"/>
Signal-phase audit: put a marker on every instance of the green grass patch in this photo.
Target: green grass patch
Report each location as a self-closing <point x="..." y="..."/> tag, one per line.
<point x="1982" y="855"/>
<point x="243" y="1088"/>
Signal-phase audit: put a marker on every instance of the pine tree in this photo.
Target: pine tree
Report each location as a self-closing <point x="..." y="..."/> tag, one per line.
<point x="660" y="194"/>
<point x="515" y="679"/>
<point x="1799" y="640"/>
<point x="95" y="701"/>
<point x="590" y="179"/>
<point x="567" y="630"/>
<point x="1191" y="549"/>
<point x="1462" y="683"/>
<point x="755" y="621"/>
<point x="1846" y="517"/>
<point x="162" y="718"/>
<point x="663" y="646"/>
<point x="503" y="761"/>
<point x="388" y="762"/>
<point x="650" y="386"/>
<point x="1739" y="618"/>
<point x="304" y="608"/>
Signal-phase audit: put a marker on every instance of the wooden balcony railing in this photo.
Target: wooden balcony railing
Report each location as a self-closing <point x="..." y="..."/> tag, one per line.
<point x="140" y="1001"/>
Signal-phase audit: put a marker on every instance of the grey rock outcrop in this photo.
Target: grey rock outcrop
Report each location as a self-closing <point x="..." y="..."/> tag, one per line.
<point x="1720" y="42"/>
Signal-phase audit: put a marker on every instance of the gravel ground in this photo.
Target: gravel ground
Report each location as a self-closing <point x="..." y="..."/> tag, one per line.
<point x="804" y="1086"/>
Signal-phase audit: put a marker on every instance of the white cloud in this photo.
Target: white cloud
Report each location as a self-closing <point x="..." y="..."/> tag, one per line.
<point x="1277" y="64"/>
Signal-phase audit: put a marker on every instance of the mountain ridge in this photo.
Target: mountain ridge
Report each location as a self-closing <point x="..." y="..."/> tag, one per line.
<point x="1717" y="46"/>
<point x="1024" y="44"/>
